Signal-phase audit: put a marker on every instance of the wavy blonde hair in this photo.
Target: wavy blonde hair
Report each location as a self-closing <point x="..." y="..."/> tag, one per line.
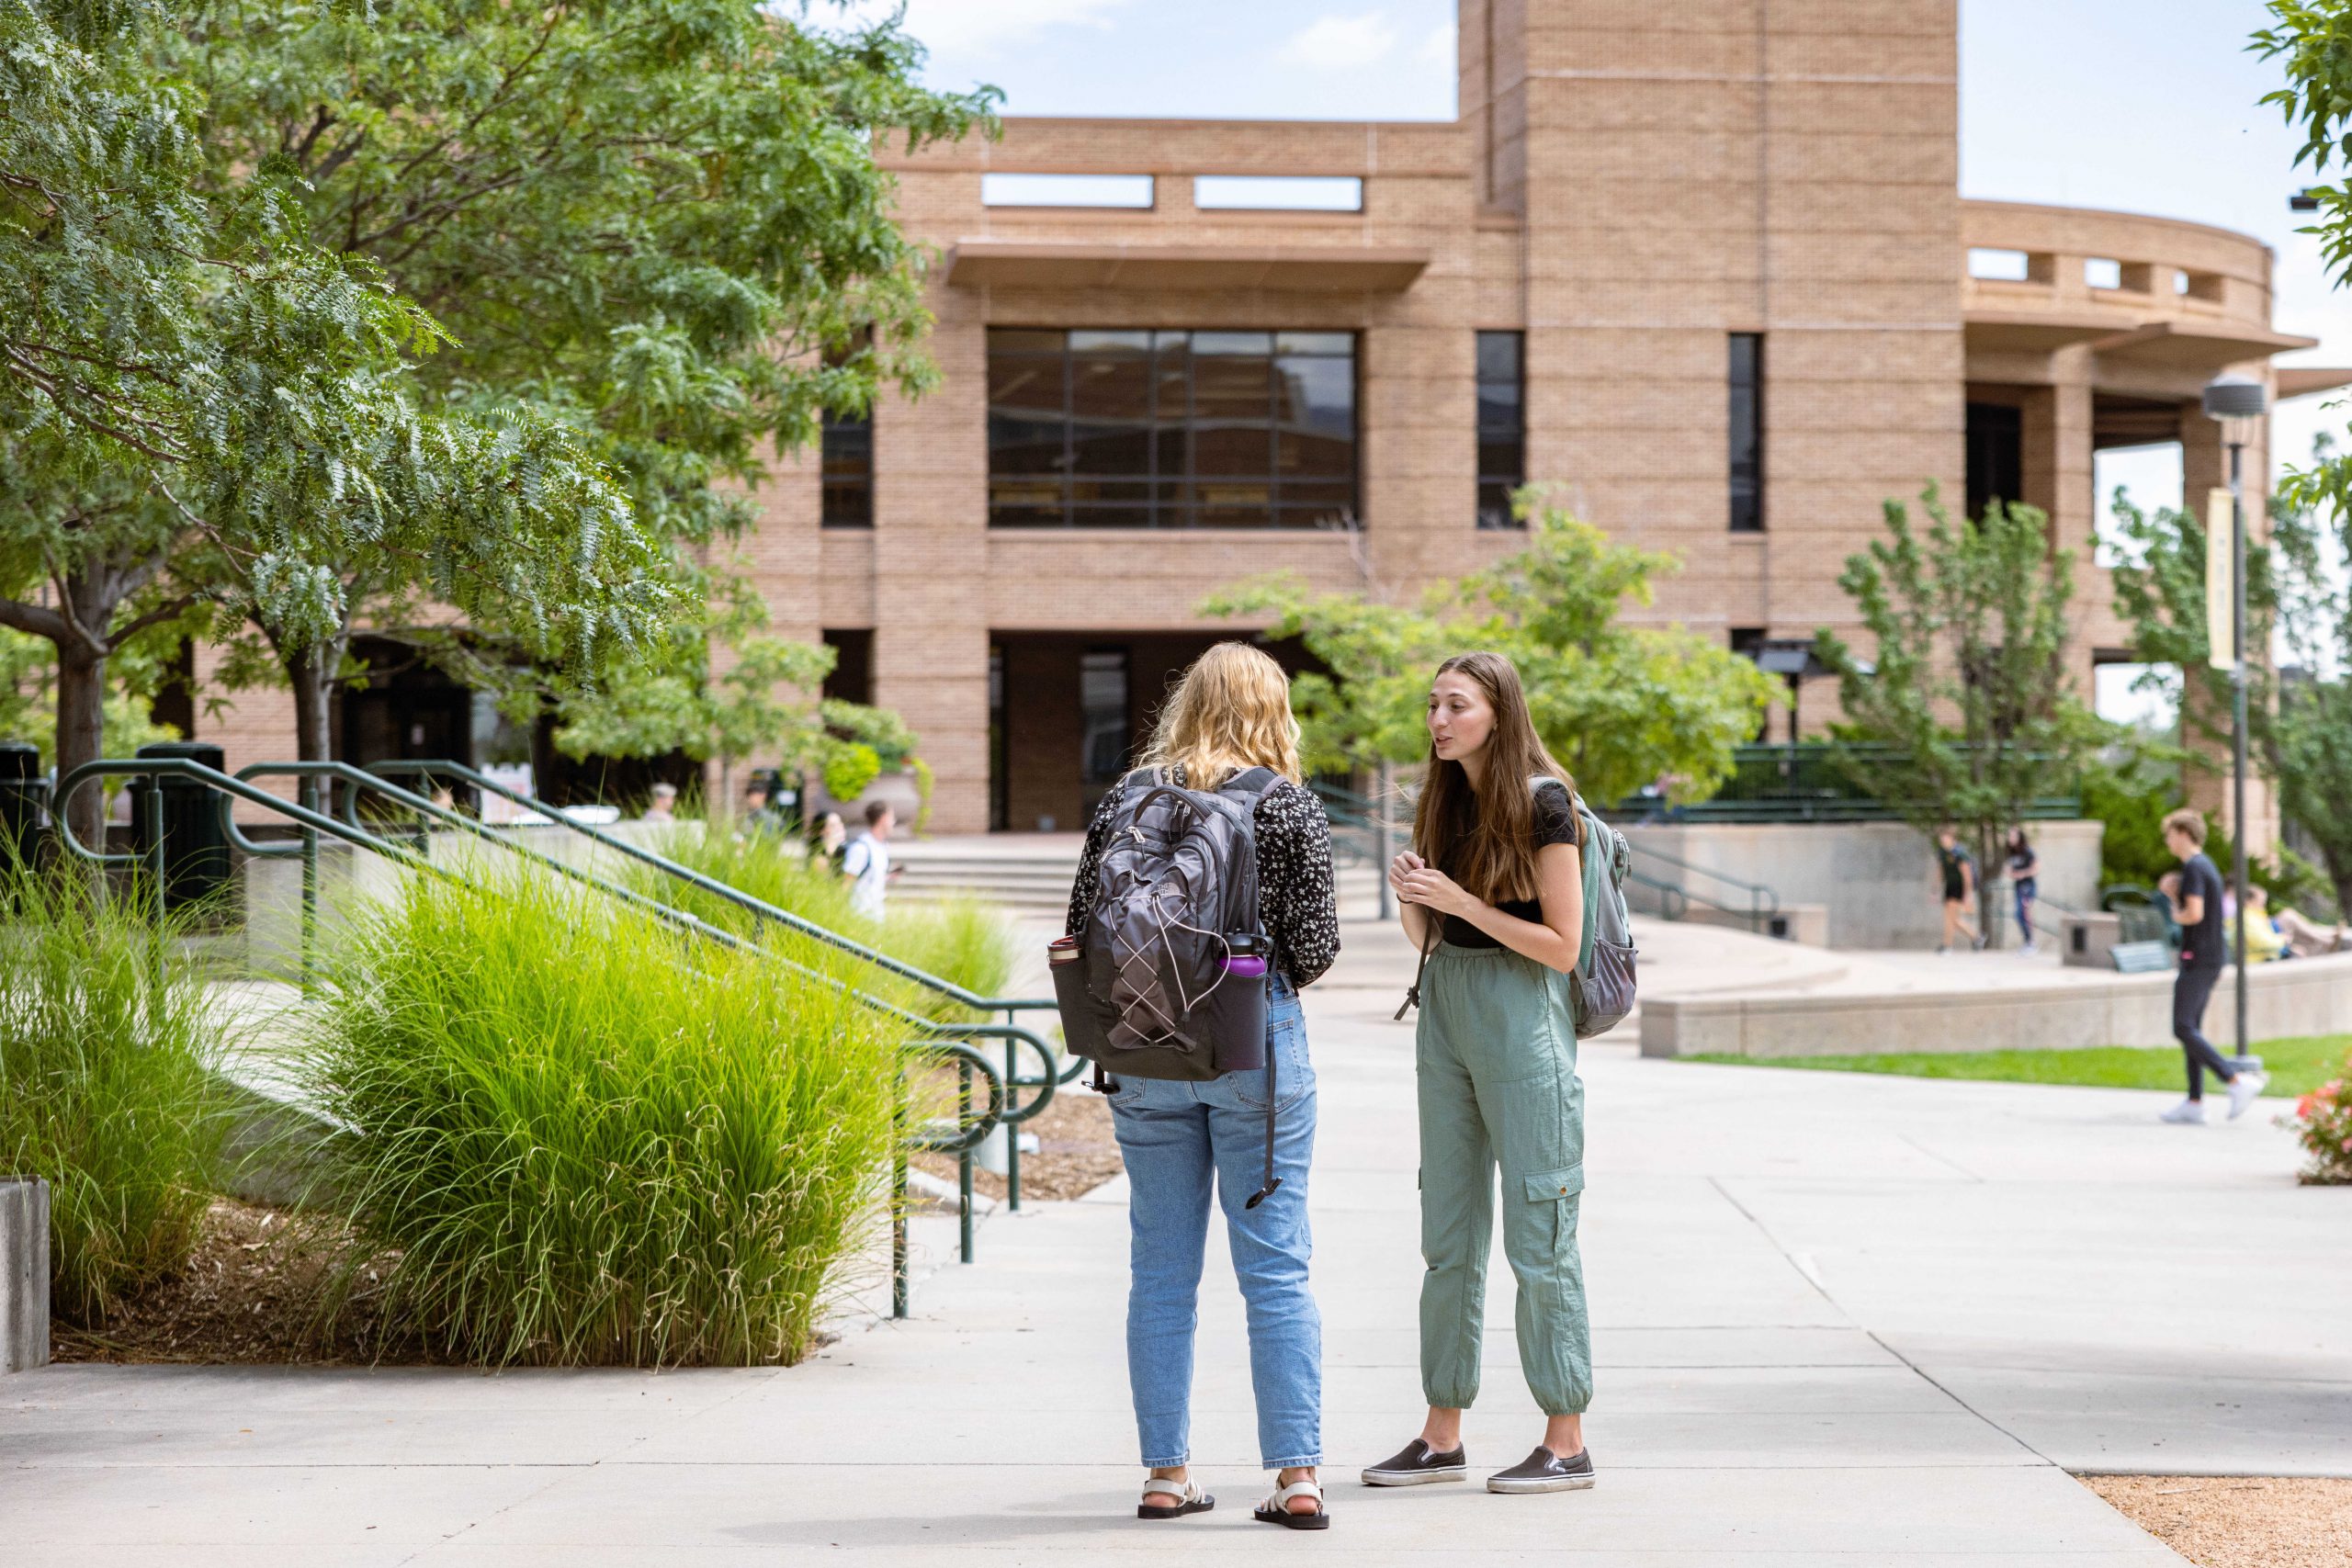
<point x="1232" y="711"/>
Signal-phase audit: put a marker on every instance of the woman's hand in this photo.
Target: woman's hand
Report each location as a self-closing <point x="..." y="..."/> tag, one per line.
<point x="1433" y="889"/>
<point x="1404" y="865"/>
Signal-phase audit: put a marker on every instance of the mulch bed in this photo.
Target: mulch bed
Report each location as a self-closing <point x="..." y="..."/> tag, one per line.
<point x="249" y="1294"/>
<point x="2235" y="1522"/>
<point x="1075" y="1151"/>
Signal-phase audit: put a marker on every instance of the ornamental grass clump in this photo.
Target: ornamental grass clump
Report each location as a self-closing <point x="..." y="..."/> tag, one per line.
<point x="573" y="1138"/>
<point x="107" y="1051"/>
<point x="957" y="938"/>
<point x="2323" y="1124"/>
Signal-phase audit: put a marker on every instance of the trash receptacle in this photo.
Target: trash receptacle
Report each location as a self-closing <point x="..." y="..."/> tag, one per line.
<point x="196" y="846"/>
<point x="24" y="802"/>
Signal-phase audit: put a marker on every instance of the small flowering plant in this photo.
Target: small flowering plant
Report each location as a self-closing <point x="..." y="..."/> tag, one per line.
<point x="2322" y="1120"/>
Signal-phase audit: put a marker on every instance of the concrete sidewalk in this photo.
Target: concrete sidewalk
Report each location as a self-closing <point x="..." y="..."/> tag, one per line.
<point x="1836" y="1319"/>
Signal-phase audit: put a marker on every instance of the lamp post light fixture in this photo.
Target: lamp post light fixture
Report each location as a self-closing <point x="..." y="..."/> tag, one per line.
<point x="2235" y="402"/>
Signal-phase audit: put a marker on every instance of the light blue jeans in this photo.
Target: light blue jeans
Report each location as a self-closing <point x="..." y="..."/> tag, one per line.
<point x="1177" y="1138"/>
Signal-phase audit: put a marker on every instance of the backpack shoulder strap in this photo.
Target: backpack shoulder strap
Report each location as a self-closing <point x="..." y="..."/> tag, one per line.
<point x="1250" y="782"/>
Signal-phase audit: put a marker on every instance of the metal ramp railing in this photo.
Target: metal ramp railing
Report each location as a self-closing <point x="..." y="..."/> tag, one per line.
<point x="938" y="1042"/>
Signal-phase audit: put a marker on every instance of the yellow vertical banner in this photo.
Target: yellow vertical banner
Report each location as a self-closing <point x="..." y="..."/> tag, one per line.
<point x="2221" y="589"/>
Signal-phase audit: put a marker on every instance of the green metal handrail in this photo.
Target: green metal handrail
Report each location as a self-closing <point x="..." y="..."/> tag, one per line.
<point x="1052" y="1076"/>
<point x="942" y="1039"/>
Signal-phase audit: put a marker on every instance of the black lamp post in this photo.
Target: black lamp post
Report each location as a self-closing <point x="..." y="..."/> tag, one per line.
<point x="2235" y="402"/>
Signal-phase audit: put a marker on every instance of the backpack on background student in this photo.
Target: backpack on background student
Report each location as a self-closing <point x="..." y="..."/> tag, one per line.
<point x="1601" y="986"/>
<point x="1167" y="978"/>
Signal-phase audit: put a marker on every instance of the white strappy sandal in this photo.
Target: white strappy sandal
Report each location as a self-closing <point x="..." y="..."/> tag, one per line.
<point x="1188" y="1498"/>
<point x="1275" y="1510"/>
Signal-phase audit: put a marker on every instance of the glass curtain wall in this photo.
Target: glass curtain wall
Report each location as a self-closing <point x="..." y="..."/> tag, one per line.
<point x="1093" y="429"/>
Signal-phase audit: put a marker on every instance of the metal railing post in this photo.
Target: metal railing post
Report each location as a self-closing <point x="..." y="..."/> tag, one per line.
<point x="899" y="1196"/>
<point x="964" y="1158"/>
<point x="1011" y="1131"/>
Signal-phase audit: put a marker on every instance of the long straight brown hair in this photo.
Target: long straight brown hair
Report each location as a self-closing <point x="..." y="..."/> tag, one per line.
<point x="1486" y="840"/>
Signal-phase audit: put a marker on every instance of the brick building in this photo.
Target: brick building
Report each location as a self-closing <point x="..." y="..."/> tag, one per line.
<point x="1701" y="263"/>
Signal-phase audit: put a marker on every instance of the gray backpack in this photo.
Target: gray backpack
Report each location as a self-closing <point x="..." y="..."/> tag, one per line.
<point x="1600" y="988"/>
<point x="1174" y="965"/>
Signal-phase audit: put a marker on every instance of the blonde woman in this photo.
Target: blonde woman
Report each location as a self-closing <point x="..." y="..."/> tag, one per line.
<point x="1181" y="1140"/>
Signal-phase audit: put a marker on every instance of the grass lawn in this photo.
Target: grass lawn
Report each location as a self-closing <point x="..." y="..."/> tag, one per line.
<point x="2296" y="1066"/>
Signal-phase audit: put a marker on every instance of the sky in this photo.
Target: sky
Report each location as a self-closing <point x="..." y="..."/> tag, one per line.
<point x="2140" y="106"/>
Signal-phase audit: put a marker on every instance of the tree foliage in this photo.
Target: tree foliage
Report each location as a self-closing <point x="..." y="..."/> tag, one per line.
<point x="1617" y="705"/>
<point x="1965" y="696"/>
<point x="724" y="691"/>
<point x="656" y="225"/>
<point x="200" y="405"/>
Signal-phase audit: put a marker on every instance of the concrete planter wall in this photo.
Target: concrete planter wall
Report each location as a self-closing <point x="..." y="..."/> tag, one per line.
<point x="2301" y="996"/>
<point x="1876" y="880"/>
<point x="24" y="1273"/>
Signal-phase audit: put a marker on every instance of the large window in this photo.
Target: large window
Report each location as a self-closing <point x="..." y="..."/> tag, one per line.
<point x="848" y="452"/>
<point x="1502" y="425"/>
<point x="1172" y="429"/>
<point x="1995" y="455"/>
<point x="1748" y="433"/>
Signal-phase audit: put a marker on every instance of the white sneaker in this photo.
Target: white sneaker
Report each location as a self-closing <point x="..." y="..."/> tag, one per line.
<point x="2189" y="1111"/>
<point x="2029" y="949"/>
<point x="2243" y="1090"/>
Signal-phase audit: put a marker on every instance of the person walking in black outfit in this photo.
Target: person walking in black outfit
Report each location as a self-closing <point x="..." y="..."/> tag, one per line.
<point x="2204" y="952"/>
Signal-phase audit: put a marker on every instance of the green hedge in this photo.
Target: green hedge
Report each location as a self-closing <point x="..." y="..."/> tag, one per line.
<point x="572" y="1139"/>
<point x="107" y="1088"/>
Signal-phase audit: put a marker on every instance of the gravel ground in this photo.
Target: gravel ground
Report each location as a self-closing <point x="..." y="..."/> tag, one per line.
<point x="2229" y="1521"/>
<point x="1076" y="1154"/>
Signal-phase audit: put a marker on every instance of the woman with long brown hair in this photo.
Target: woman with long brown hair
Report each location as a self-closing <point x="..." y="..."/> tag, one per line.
<point x="1492" y="894"/>
<point x="1230" y="714"/>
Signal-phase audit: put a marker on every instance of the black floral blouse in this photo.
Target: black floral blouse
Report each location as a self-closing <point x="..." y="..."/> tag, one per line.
<point x="1295" y="900"/>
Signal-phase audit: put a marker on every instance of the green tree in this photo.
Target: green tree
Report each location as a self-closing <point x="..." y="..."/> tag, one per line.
<point x="761" y="703"/>
<point x="1617" y="704"/>
<point x="188" y="379"/>
<point x="1966" y="706"/>
<point x="656" y="224"/>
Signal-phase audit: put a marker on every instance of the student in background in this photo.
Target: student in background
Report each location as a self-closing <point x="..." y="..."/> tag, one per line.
<point x="2204" y="953"/>
<point x="664" y="807"/>
<point x="2024" y="866"/>
<point x="867" y="860"/>
<point x="1957" y="869"/>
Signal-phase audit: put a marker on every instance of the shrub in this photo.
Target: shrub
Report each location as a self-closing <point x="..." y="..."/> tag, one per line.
<point x="107" y="1086"/>
<point x="2323" y="1124"/>
<point x="573" y="1138"/>
<point x="960" y="940"/>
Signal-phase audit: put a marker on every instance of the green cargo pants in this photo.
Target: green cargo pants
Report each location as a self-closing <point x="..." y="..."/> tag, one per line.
<point x="1496" y="1058"/>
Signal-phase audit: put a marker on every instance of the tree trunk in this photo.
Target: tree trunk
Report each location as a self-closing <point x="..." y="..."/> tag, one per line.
<point x="311" y="671"/>
<point x="81" y="736"/>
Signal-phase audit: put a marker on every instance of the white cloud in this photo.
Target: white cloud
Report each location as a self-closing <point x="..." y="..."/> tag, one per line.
<point x="981" y="26"/>
<point x="1341" y="43"/>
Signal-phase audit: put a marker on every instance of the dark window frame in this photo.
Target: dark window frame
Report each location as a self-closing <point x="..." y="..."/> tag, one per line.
<point x="1172" y="481"/>
<point x="1502" y="442"/>
<point x="1745" y="383"/>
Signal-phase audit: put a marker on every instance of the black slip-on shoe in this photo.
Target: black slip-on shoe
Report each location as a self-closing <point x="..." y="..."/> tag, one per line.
<point x="1417" y="1465"/>
<point x="1545" y="1471"/>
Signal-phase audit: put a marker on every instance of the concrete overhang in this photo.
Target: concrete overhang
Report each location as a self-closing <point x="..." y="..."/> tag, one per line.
<point x="2302" y="380"/>
<point x="2196" y="345"/>
<point x="2032" y="332"/>
<point x="1304" y="269"/>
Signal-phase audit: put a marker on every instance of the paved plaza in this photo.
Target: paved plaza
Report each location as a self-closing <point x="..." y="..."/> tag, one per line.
<point x="1838" y="1319"/>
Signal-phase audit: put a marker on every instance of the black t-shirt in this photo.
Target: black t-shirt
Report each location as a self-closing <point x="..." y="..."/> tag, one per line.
<point x="2205" y="944"/>
<point x="1955" y="862"/>
<point x="1555" y="823"/>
